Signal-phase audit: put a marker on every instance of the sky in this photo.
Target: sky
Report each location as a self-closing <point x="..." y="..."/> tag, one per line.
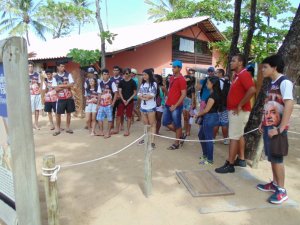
<point x="125" y="13"/>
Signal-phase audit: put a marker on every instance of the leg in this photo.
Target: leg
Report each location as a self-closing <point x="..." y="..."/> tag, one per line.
<point x="88" y="120"/>
<point x="186" y="116"/>
<point x="225" y="131"/>
<point x="68" y="121"/>
<point x="93" y="123"/>
<point x="100" y="122"/>
<point x="158" y="121"/>
<point x="233" y="149"/>
<point x="216" y="130"/>
<point x="201" y="136"/>
<point x="129" y="115"/>
<point x="241" y="151"/>
<point x="36" y="119"/>
<point x="278" y="174"/>
<point x="152" y="123"/>
<point x="51" y="120"/>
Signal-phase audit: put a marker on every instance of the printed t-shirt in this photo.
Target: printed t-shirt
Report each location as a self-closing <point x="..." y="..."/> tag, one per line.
<point x="34" y="81"/>
<point x="107" y="88"/>
<point x="50" y="95"/>
<point x="65" y="78"/>
<point x="146" y="89"/>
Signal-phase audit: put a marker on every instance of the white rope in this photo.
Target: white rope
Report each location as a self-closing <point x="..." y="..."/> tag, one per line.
<point x="293" y="132"/>
<point x="51" y="172"/>
<point x="103" y="157"/>
<point x="216" y="140"/>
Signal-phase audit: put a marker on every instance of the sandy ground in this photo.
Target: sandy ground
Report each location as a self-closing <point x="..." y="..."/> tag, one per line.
<point x="110" y="191"/>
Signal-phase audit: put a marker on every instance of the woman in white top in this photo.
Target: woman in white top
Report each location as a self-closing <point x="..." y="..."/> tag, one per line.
<point x="147" y="93"/>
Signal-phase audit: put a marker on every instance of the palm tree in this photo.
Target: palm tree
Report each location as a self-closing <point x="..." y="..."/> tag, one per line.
<point x="84" y="4"/>
<point x="19" y="17"/>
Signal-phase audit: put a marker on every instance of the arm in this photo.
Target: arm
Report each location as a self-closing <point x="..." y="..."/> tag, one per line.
<point x="182" y="96"/>
<point x="251" y="91"/>
<point x="131" y="97"/>
<point x="208" y="106"/>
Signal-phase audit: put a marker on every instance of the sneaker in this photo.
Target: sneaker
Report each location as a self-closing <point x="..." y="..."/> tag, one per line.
<point x="240" y="162"/>
<point x="202" y="158"/>
<point x="226" y="142"/>
<point x="141" y="142"/>
<point x="279" y="196"/>
<point x="267" y="187"/>
<point x="206" y="162"/>
<point x="226" y="168"/>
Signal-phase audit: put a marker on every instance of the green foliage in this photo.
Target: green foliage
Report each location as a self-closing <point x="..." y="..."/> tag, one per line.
<point x="108" y="36"/>
<point x="61" y="17"/>
<point x="84" y="57"/>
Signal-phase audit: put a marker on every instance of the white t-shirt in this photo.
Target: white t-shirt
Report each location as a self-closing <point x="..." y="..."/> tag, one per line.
<point x="286" y="89"/>
<point x="145" y="89"/>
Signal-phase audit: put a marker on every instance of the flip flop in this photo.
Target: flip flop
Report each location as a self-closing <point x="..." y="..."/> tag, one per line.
<point x="56" y="133"/>
<point x="101" y="135"/>
<point x="69" y="131"/>
<point x="52" y="128"/>
<point x="114" y="132"/>
<point x="173" y="147"/>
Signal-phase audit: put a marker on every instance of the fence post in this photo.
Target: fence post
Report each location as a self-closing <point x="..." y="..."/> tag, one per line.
<point x="148" y="161"/>
<point x="51" y="192"/>
<point x="258" y="153"/>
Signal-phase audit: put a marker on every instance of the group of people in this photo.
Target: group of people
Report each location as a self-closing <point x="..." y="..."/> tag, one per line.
<point x="222" y="102"/>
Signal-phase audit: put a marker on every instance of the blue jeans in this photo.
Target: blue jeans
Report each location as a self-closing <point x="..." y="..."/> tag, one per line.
<point x="172" y="117"/>
<point x="206" y="132"/>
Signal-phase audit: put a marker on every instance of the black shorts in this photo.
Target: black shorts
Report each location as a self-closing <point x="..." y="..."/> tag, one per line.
<point x="65" y="105"/>
<point x="50" y="107"/>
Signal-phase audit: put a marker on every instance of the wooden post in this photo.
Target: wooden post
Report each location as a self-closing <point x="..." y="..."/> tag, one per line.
<point x="258" y="153"/>
<point x="148" y="161"/>
<point x="51" y="192"/>
<point x="15" y="63"/>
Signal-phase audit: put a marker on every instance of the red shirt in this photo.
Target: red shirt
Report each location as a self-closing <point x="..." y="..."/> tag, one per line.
<point x="240" y="85"/>
<point x="177" y="84"/>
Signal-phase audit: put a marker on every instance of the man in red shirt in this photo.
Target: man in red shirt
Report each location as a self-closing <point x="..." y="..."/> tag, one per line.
<point x="238" y="105"/>
<point x="174" y="104"/>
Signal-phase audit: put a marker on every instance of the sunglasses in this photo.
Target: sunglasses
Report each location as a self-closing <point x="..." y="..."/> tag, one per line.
<point x="127" y="73"/>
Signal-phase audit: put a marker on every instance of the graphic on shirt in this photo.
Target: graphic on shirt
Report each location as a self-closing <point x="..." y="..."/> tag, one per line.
<point x="34" y="84"/>
<point x="50" y="95"/>
<point x="274" y="105"/>
<point x="66" y="92"/>
<point x="91" y="97"/>
<point x="106" y="95"/>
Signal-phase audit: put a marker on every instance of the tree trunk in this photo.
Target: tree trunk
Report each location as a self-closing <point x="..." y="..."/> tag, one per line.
<point x="99" y="21"/>
<point x="236" y="33"/>
<point x="290" y="49"/>
<point x="247" y="46"/>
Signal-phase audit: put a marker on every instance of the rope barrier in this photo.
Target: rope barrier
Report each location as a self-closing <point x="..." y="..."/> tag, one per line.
<point x="293" y="132"/>
<point x="216" y="140"/>
<point x="103" y="157"/>
<point x="53" y="175"/>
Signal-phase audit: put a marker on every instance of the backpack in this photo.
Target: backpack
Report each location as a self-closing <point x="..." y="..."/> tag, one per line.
<point x="225" y="90"/>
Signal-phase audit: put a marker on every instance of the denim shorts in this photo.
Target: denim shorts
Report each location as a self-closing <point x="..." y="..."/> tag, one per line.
<point x="172" y="117"/>
<point x="148" y="110"/>
<point x="105" y="112"/>
<point x="187" y="103"/>
<point x="223" y="119"/>
<point x="271" y="158"/>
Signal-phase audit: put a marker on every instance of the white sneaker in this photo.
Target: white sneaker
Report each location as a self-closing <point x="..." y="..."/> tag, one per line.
<point x="226" y="142"/>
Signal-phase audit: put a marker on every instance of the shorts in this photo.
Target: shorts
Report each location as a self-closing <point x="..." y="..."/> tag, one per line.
<point x="50" y="106"/>
<point x="128" y="109"/>
<point x="148" y="110"/>
<point x="160" y="108"/>
<point x="187" y="103"/>
<point x="91" y="108"/>
<point x="105" y="112"/>
<point x="65" y="105"/>
<point x="172" y="117"/>
<point x="271" y="158"/>
<point x="36" y="102"/>
<point x="223" y="119"/>
<point x="237" y="124"/>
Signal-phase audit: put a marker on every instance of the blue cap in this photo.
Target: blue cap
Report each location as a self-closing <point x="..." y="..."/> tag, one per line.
<point x="177" y="63"/>
<point x="211" y="69"/>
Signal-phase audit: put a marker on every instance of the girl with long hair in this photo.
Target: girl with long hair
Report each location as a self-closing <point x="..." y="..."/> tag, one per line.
<point x="210" y="119"/>
<point x="91" y="94"/>
<point x="160" y="100"/>
<point x="147" y="94"/>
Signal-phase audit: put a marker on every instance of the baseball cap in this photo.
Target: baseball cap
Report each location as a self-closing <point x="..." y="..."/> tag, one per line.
<point x="90" y="70"/>
<point x="177" y="63"/>
<point x="133" y="71"/>
<point x="211" y="69"/>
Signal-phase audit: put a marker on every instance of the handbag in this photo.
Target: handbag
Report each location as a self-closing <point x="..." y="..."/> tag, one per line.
<point x="279" y="145"/>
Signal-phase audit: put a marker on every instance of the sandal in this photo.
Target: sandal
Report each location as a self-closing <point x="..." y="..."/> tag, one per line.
<point x="69" y="131"/>
<point x="173" y="147"/>
<point x="183" y="137"/>
<point x="56" y="133"/>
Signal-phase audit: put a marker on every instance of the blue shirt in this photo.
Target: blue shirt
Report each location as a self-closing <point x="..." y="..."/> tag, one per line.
<point x="205" y="92"/>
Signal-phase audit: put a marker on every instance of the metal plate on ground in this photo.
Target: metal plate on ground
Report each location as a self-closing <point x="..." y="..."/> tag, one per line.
<point x="201" y="183"/>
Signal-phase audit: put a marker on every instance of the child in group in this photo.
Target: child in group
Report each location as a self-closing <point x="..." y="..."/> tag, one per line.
<point x="91" y="94"/>
<point x="50" y="96"/>
<point x="147" y="93"/>
<point x="210" y="119"/>
<point x="106" y="102"/>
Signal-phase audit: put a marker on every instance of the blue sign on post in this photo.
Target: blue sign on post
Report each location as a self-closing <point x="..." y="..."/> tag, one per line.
<point x="3" y="106"/>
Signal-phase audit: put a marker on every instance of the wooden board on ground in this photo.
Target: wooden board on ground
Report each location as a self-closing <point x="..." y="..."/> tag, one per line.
<point x="202" y="183"/>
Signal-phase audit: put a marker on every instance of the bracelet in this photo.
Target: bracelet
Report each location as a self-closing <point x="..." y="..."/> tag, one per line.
<point x="278" y="130"/>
